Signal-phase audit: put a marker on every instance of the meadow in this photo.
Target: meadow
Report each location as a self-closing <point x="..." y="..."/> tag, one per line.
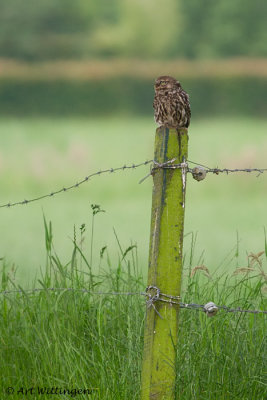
<point x="74" y="340"/>
<point x="84" y="343"/>
<point x="40" y="155"/>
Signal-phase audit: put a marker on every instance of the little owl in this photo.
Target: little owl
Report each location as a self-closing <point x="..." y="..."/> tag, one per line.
<point x="171" y="103"/>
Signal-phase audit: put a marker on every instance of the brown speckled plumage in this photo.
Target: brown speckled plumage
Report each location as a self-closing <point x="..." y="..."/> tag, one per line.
<point x="171" y="103"/>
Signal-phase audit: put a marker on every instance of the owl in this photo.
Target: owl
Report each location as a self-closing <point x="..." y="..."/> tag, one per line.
<point x="171" y="103"/>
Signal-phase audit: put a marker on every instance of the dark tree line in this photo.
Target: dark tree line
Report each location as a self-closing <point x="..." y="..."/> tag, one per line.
<point x="52" y="29"/>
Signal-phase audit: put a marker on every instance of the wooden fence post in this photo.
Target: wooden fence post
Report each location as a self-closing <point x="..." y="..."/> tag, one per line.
<point x="165" y="265"/>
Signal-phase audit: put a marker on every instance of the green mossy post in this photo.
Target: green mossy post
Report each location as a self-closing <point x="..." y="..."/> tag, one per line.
<point x="165" y="265"/>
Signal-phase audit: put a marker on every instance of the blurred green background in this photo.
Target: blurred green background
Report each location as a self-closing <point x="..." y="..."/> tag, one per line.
<point x="76" y="93"/>
<point x="51" y="29"/>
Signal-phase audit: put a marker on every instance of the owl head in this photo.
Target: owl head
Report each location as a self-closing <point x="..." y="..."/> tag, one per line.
<point x="166" y="82"/>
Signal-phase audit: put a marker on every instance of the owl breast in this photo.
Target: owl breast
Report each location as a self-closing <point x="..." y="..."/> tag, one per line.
<point x="172" y="109"/>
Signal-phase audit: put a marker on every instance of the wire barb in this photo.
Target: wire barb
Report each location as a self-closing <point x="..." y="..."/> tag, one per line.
<point x="217" y="171"/>
<point x="76" y="185"/>
<point x="198" y="173"/>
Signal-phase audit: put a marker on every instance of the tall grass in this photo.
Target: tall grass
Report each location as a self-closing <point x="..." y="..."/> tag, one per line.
<point x="74" y="340"/>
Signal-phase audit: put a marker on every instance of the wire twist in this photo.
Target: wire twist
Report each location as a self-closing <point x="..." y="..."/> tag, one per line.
<point x="153" y="295"/>
<point x="169" y="164"/>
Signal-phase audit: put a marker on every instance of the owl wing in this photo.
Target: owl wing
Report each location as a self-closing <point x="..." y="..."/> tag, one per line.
<point x="184" y="99"/>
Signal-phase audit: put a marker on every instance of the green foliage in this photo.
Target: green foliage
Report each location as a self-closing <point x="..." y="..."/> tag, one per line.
<point x="44" y="29"/>
<point x="223" y="28"/>
<point x="129" y="95"/>
<point x="50" y="29"/>
<point x="73" y="339"/>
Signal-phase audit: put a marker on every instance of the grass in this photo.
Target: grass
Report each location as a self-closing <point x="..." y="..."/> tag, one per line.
<point x="74" y="340"/>
<point x="39" y="155"/>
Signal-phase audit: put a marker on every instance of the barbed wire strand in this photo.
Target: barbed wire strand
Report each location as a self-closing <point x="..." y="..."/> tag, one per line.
<point x="76" y="185"/>
<point x="166" y="165"/>
<point x="152" y="299"/>
<point x="169" y="165"/>
<point x="199" y="172"/>
<point x="228" y="170"/>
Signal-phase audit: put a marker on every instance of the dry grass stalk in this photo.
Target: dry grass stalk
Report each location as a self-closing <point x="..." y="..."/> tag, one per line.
<point x="252" y="258"/>
<point x="200" y="268"/>
<point x="243" y="270"/>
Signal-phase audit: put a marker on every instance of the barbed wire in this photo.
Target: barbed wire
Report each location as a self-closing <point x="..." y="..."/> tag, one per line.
<point x="170" y="165"/>
<point x="199" y="173"/>
<point x="228" y="170"/>
<point x="209" y="308"/>
<point x="76" y="185"/>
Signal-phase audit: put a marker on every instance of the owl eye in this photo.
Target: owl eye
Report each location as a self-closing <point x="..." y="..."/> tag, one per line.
<point x="163" y="83"/>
